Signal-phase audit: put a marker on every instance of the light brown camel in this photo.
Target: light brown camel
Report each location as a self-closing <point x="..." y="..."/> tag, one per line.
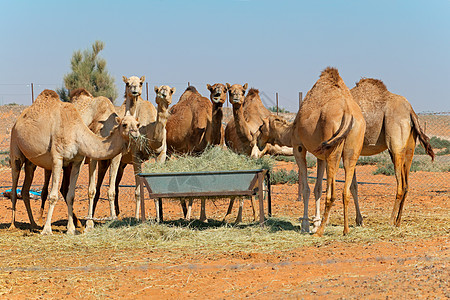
<point x="155" y="136"/>
<point x="330" y="125"/>
<point x="99" y="115"/>
<point x="50" y="134"/>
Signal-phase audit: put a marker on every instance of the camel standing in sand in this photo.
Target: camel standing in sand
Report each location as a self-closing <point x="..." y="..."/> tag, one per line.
<point x="154" y="131"/>
<point x="99" y="115"/>
<point x="51" y="134"/>
<point x="330" y="125"/>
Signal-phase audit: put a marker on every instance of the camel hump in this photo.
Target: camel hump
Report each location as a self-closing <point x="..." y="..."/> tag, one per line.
<point x="253" y="92"/>
<point x="332" y="74"/>
<point x="371" y="81"/>
<point x="339" y="135"/>
<point x="47" y="94"/>
<point x="191" y="88"/>
<point x="423" y="138"/>
<point x="79" y="92"/>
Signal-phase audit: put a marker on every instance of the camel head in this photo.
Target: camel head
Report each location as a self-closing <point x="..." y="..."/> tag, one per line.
<point x="164" y="95"/>
<point x="128" y="126"/>
<point x="236" y="93"/>
<point x="271" y="130"/>
<point x="133" y="86"/>
<point x="218" y="93"/>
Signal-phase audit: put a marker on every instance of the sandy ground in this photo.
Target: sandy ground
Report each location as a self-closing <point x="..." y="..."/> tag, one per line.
<point x="386" y="269"/>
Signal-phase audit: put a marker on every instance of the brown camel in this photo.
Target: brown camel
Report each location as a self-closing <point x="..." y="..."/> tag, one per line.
<point x="155" y="136"/>
<point x="51" y="134"/>
<point x="189" y="124"/>
<point x="330" y="125"/>
<point x="218" y="97"/>
<point x="99" y="115"/>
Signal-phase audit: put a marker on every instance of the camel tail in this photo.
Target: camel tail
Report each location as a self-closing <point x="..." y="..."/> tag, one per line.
<point x="339" y="135"/>
<point x="423" y="138"/>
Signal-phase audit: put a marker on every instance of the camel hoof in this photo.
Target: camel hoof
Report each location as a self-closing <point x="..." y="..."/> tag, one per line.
<point x="305" y="226"/>
<point x="12" y="227"/>
<point x="46" y="231"/>
<point x="40" y="222"/>
<point x="71" y="231"/>
<point x="89" y="225"/>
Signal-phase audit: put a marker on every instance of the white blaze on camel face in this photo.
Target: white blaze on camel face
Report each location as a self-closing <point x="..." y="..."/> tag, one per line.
<point x="133" y="85"/>
<point x="236" y="93"/>
<point x="218" y="93"/>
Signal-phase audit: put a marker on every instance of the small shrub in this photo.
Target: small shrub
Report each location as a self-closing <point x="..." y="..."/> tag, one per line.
<point x="420" y="150"/>
<point x="368" y="160"/>
<point x="444" y="152"/>
<point x="439" y="143"/>
<point x="282" y="176"/>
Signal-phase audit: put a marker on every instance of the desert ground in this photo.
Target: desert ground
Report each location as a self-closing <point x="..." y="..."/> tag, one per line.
<point x="190" y="260"/>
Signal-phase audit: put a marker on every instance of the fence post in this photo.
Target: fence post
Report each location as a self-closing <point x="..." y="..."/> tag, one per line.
<point x="189" y="84"/>
<point x="277" y="103"/>
<point x="146" y="88"/>
<point x="32" y="93"/>
<point x="300" y="99"/>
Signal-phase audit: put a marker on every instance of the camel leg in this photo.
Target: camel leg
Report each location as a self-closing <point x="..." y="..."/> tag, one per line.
<point x="65" y="188"/>
<point x="16" y="167"/>
<point x="203" y="210"/>
<point x="354" y="191"/>
<point x="44" y="195"/>
<point x="303" y="188"/>
<point x="75" y="171"/>
<point x="56" y="174"/>
<point x="119" y="176"/>
<point x="332" y="167"/>
<point x="349" y="160"/>
<point x="137" y="192"/>
<point x="183" y="206"/>
<point x="241" y="207"/>
<point x="230" y="208"/>
<point x="189" y="209"/>
<point x="113" y="170"/>
<point x="91" y="192"/>
<point x="402" y="165"/>
<point x="158" y="216"/>
<point x="29" y="174"/>
<point x="318" y="193"/>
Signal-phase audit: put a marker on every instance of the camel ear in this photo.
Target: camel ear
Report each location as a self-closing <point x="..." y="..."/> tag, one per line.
<point x="142" y="78"/>
<point x="156" y="89"/>
<point x="125" y="79"/>
<point x="245" y="86"/>
<point x="172" y="90"/>
<point x="118" y="120"/>
<point x="208" y="86"/>
<point x="228" y="86"/>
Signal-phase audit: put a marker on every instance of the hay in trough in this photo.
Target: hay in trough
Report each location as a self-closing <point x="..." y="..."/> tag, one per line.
<point x="212" y="159"/>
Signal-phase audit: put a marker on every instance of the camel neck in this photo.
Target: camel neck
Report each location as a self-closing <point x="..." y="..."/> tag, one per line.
<point x="217" y="116"/>
<point x="99" y="148"/>
<point x="130" y="104"/>
<point x="242" y="129"/>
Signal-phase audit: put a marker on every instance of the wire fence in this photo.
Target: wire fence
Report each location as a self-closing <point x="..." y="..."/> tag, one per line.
<point x="375" y="174"/>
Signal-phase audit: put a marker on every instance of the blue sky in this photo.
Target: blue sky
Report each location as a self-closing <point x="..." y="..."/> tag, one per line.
<point x="275" y="46"/>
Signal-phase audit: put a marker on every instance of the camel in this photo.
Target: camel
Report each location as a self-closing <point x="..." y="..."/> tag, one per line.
<point x="218" y="97"/>
<point x="248" y="115"/>
<point x="330" y="125"/>
<point x="51" y="134"/>
<point x="189" y="125"/>
<point x="99" y="115"/>
<point x="153" y="129"/>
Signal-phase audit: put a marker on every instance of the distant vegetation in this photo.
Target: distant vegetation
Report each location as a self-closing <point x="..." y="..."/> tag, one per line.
<point x="280" y="109"/>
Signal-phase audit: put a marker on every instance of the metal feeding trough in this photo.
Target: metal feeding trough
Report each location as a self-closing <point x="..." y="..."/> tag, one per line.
<point x="205" y="184"/>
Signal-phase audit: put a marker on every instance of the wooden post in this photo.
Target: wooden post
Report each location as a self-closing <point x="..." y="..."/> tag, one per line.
<point x="189" y="84"/>
<point x="141" y="186"/>
<point x="146" y="88"/>
<point x="32" y="93"/>
<point x="277" y="103"/>
<point x="300" y="99"/>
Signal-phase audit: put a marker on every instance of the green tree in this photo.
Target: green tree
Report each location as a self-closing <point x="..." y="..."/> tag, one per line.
<point x="89" y="72"/>
<point x="280" y="109"/>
